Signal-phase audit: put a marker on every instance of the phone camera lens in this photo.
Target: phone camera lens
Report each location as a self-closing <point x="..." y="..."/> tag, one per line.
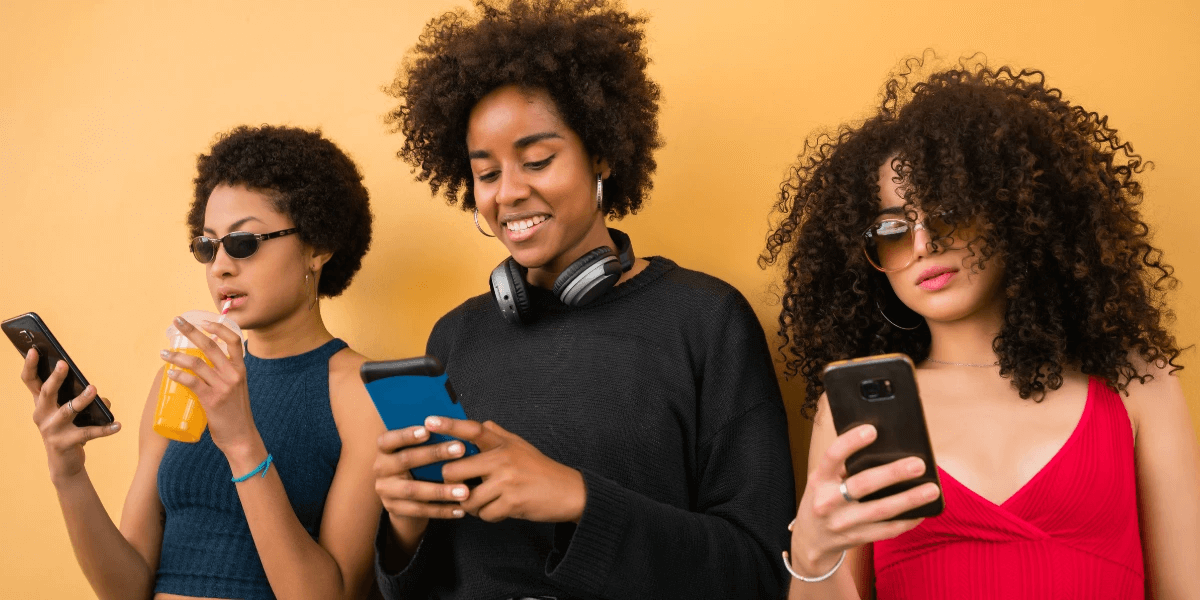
<point x="26" y="336"/>
<point x="870" y="389"/>
<point x="876" y="389"/>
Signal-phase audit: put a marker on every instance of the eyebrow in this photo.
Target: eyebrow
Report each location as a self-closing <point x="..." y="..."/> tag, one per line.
<point x="520" y="144"/>
<point x="893" y="210"/>
<point x="235" y="225"/>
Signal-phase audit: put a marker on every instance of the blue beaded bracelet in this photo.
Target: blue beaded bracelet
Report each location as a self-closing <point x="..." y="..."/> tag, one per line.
<point x="262" y="466"/>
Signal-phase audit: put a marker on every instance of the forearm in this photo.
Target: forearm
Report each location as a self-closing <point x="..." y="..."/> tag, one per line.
<point x="113" y="567"/>
<point x="295" y="564"/>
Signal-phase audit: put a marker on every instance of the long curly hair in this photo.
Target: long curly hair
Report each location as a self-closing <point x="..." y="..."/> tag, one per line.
<point x="310" y="180"/>
<point x="588" y="55"/>
<point x="1053" y="191"/>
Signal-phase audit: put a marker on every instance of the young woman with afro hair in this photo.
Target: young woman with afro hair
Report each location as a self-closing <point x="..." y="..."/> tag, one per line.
<point x="632" y="438"/>
<point x="275" y="498"/>
<point x="989" y="228"/>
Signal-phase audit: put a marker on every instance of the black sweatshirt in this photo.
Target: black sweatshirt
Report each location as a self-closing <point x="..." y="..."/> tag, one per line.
<point x="663" y="394"/>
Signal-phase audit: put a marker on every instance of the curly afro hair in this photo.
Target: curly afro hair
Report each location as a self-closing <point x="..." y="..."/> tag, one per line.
<point x="588" y="55"/>
<point x="1055" y="192"/>
<point x="311" y="180"/>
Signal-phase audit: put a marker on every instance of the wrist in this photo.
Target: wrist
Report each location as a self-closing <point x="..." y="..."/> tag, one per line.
<point x="811" y="564"/>
<point x="66" y="481"/>
<point x="402" y="540"/>
<point x="579" y="501"/>
<point x="245" y="456"/>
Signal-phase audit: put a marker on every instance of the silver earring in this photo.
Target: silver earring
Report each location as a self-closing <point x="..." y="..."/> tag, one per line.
<point x="893" y="323"/>
<point x="480" y="228"/>
<point x="600" y="193"/>
<point x="313" y="302"/>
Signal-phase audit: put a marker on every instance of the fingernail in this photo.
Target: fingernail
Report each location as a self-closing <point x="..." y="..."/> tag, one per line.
<point x="916" y="466"/>
<point x="419" y="432"/>
<point x="164" y="353"/>
<point x="454" y="448"/>
<point x="114" y="427"/>
<point x="60" y="365"/>
<point x="932" y="492"/>
<point x="458" y="513"/>
<point x="868" y="432"/>
<point x="90" y="389"/>
<point x="172" y="373"/>
<point x="433" y="422"/>
<point x="180" y="321"/>
<point x="459" y="492"/>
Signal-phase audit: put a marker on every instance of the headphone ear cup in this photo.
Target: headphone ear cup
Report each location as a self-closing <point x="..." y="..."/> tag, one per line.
<point x="508" y="287"/>
<point x="588" y="277"/>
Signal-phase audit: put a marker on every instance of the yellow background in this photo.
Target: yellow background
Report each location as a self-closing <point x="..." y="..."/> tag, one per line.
<point x="104" y="106"/>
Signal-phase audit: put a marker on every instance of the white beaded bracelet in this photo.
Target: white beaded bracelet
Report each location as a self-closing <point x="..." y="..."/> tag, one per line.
<point x="787" y="564"/>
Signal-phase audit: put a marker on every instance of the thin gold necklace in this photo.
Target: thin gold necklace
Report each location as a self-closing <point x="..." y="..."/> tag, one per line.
<point x="957" y="364"/>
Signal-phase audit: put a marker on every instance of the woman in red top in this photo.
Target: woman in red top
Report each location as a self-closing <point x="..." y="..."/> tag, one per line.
<point x="989" y="228"/>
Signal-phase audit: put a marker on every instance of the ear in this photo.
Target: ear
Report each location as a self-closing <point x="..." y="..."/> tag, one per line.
<point x="318" y="258"/>
<point x="600" y="167"/>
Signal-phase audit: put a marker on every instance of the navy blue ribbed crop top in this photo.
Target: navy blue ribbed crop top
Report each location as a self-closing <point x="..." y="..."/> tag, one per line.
<point x="207" y="549"/>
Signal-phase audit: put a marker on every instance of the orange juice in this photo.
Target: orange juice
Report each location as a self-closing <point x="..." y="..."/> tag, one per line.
<point x="179" y="415"/>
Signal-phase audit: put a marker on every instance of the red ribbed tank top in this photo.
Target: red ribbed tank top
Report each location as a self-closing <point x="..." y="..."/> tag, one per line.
<point x="1070" y="532"/>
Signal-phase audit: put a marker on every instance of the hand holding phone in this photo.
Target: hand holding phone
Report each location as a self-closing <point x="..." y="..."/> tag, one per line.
<point x="406" y="392"/>
<point x="58" y="421"/>
<point x="28" y="332"/>
<point x="877" y="476"/>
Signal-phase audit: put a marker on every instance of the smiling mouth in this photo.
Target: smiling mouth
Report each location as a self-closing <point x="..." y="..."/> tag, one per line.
<point x="519" y="225"/>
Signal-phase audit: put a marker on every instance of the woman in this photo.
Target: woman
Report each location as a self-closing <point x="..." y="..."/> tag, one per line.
<point x="988" y="228"/>
<point x="287" y="408"/>
<point x="632" y="437"/>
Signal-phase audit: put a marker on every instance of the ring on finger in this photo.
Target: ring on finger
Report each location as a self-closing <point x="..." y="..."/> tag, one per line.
<point x="846" y="493"/>
<point x="71" y="406"/>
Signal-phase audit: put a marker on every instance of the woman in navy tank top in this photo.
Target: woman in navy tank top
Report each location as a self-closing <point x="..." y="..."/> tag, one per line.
<point x="988" y="227"/>
<point x="286" y="408"/>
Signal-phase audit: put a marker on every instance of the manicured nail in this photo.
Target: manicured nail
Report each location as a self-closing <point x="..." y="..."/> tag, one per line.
<point x="180" y="321"/>
<point x="433" y="422"/>
<point x="89" y="390"/>
<point x="916" y="466"/>
<point x="114" y="427"/>
<point x="459" y="492"/>
<point x="454" y="448"/>
<point x="164" y="353"/>
<point x="172" y="373"/>
<point x="458" y="513"/>
<point x="419" y="432"/>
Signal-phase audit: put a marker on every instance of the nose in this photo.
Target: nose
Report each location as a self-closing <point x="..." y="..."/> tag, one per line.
<point x="513" y="188"/>
<point x="923" y="242"/>
<point x="222" y="264"/>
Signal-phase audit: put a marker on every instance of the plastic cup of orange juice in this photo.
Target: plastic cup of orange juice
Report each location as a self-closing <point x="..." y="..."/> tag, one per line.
<point x="179" y="415"/>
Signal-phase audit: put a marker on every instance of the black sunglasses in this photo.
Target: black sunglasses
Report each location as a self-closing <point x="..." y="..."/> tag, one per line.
<point x="238" y="244"/>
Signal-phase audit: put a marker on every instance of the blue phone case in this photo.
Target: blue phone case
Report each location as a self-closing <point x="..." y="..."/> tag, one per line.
<point x="405" y="401"/>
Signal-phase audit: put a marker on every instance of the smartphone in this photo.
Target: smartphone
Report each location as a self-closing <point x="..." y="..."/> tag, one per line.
<point x="407" y="391"/>
<point x="882" y="391"/>
<point x="29" y="331"/>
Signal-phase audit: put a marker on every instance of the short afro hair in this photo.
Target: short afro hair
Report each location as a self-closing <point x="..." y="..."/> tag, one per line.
<point x="311" y="180"/>
<point x="588" y="55"/>
<point x="1056" y="191"/>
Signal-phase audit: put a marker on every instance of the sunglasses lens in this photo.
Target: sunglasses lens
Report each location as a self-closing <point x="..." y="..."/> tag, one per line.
<point x="204" y="249"/>
<point x="240" y="244"/>
<point x="890" y="244"/>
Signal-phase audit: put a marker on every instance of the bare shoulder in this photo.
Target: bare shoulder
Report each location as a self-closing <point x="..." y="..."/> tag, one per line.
<point x="348" y="398"/>
<point x="1159" y="398"/>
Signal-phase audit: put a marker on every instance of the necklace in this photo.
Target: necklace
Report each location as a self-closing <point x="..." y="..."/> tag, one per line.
<point x="957" y="364"/>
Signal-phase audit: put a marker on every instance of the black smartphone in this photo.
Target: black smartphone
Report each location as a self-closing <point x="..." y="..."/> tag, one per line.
<point x="882" y="391"/>
<point x="29" y="331"/>
<point x="407" y="391"/>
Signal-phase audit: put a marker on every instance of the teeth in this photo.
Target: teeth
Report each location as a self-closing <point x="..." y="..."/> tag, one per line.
<point x="524" y="224"/>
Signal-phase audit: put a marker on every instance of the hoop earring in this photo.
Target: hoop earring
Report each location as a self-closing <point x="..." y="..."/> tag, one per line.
<point x="891" y="322"/>
<point x="486" y="234"/>
<point x="600" y="193"/>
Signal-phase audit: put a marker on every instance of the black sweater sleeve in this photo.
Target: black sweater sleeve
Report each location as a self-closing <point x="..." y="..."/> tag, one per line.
<point x="728" y="546"/>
